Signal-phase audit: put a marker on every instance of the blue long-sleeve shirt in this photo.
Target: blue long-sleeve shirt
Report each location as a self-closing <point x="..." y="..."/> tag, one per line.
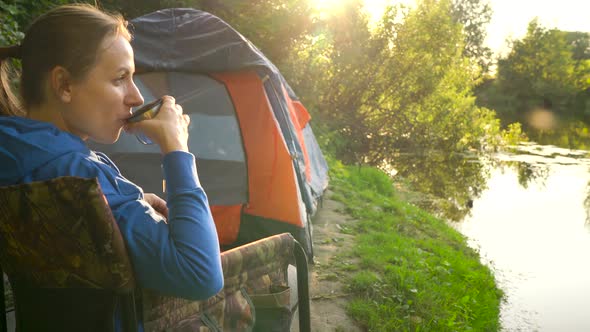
<point x="180" y="257"/>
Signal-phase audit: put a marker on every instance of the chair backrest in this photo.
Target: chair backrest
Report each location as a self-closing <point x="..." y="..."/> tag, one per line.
<point x="64" y="255"/>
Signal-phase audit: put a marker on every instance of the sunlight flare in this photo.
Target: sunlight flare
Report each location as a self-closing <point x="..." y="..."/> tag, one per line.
<point x="374" y="8"/>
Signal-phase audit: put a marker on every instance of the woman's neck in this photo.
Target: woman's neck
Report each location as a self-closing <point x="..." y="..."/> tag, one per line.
<point x="46" y="113"/>
<point x="52" y="114"/>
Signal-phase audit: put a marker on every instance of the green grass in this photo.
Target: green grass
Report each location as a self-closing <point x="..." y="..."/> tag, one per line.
<point x="415" y="272"/>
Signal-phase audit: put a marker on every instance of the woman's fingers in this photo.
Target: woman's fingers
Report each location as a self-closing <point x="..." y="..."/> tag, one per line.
<point x="157" y="203"/>
<point x="169" y="127"/>
<point x="168" y="100"/>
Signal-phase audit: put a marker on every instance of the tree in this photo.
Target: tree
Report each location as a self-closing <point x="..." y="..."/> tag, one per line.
<point x="580" y="44"/>
<point x="474" y="16"/>
<point x="547" y="68"/>
<point x="332" y="70"/>
<point x="405" y="87"/>
<point x="428" y="90"/>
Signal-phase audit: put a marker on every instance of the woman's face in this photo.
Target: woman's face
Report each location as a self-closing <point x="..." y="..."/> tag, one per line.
<point x="102" y="100"/>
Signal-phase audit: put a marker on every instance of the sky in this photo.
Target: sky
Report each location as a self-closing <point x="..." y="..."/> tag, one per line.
<point x="511" y="17"/>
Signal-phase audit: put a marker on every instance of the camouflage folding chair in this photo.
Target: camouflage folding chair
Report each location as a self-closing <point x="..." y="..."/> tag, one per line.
<point x="68" y="268"/>
<point x="64" y="256"/>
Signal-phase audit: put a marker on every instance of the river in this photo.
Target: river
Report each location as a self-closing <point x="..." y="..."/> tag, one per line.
<point x="526" y="212"/>
<point x="535" y="235"/>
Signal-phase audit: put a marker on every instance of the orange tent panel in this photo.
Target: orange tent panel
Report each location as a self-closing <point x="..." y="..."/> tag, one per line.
<point x="302" y="113"/>
<point x="300" y="117"/>
<point x="227" y="222"/>
<point x="272" y="183"/>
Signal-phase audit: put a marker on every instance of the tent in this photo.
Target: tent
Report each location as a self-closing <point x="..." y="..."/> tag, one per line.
<point x="257" y="157"/>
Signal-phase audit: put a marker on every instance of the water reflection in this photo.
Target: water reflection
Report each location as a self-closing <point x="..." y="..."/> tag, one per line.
<point x="528" y="219"/>
<point x="454" y="181"/>
<point x="529" y="172"/>
<point x="451" y="181"/>
<point x="573" y="134"/>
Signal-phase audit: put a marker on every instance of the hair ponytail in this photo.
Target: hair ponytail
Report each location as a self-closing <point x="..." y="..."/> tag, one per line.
<point x="10" y="104"/>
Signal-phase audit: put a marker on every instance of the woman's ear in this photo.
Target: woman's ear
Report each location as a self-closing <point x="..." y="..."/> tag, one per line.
<point x="61" y="83"/>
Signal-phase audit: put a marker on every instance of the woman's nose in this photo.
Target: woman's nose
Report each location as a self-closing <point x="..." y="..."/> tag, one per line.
<point x="134" y="97"/>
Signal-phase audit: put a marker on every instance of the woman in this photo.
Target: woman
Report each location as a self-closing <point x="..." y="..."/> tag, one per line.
<point x="76" y="84"/>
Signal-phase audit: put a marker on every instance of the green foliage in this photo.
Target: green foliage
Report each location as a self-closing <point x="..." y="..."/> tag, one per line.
<point x="405" y="86"/>
<point x="416" y="272"/>
<point x="547" y="69"/>
<point x="430" y="98"/>
<point x="23" y="12"/>
<point x="514" y="134"/>
<point x="9" y="29"/>
<point x="580" y="44"/>
<point x="332" y="72"/>
<point x="474" y="16"/>
<point x="18" y="14"/>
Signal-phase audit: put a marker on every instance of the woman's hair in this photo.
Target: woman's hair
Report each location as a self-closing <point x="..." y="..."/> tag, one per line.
<point x="69" y="36"/>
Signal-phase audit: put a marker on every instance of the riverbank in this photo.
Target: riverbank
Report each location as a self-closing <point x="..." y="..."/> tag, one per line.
<point x="399" y="267"/>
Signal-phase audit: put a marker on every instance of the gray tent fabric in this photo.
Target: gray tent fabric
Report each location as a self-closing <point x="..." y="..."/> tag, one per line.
<point x="190" y="40"/>
<point x="214" y="138"/>
<point x="193" y="41"/>
<point x="186" y="39"/>
<point x="319" y="166"/>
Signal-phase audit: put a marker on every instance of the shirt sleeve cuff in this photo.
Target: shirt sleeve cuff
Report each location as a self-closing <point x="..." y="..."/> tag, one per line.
<point x="180" y="172"/>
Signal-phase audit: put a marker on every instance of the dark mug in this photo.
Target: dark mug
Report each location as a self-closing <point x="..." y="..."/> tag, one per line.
<point x="146" y="112"/>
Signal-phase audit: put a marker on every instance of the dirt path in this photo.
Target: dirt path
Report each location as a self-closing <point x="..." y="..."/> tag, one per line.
<point x="328" y="296"/>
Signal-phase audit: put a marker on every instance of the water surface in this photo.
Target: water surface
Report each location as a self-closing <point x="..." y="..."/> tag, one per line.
<point x="529" y="223"/>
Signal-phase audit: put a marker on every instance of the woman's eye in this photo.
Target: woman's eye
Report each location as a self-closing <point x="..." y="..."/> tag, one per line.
<point x="121" y="78"/>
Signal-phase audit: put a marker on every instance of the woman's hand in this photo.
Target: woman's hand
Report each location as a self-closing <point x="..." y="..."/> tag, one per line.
<point x="169" y="129"/>
<point x="157" y="203"/>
